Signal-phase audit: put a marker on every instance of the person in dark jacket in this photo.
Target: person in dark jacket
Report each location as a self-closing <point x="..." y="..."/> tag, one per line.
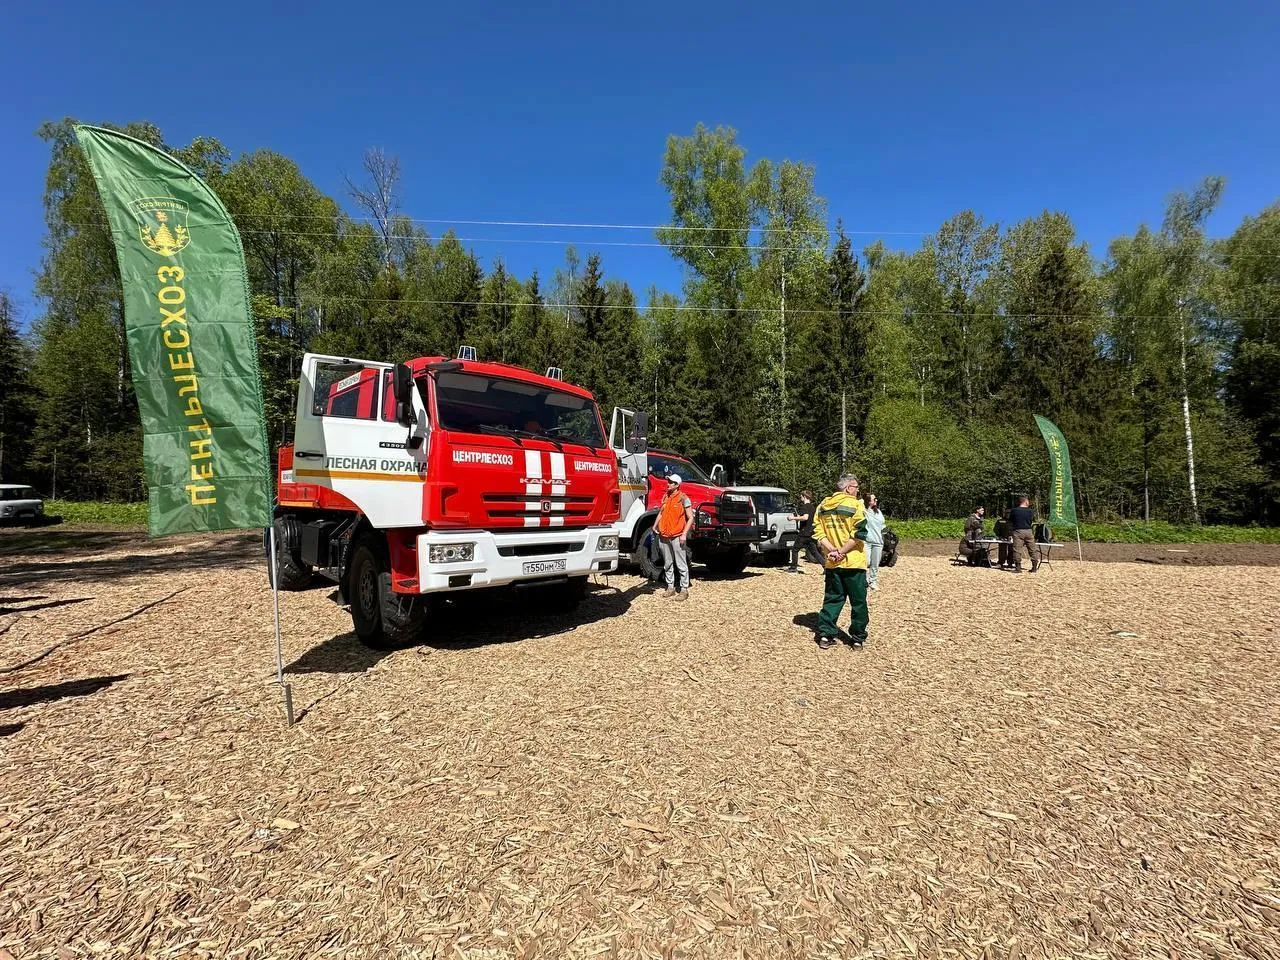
<point x="975" y="553"/>
<point x="805" y="540"/>
<point x="1022" y="518"/>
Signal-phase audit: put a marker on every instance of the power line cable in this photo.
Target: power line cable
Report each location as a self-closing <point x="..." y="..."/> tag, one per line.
<point x="694" y="308"/>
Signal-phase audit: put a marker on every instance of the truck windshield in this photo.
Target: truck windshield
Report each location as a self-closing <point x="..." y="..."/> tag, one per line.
<point x="768" y="502"/>
<point x="661" y="464"/>
<point x="482" y="404"/>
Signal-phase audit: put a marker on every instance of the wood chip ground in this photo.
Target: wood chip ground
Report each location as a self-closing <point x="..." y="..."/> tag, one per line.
<point x="1080" y="763"/>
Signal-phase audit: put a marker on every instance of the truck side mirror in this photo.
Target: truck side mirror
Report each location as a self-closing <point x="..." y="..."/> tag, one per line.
<point x="638" y="441"/>
<point x="402" y="387"/>
<point x="717" y="475"/>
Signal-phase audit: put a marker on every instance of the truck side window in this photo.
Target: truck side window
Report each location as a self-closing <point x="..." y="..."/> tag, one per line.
<point x="347" y="390"/>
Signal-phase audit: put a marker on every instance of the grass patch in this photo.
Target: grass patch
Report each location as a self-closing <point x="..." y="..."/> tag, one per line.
<point x="1155" y="532"/>
<point x="103" y="514"/>
<point x="135" y="515"/>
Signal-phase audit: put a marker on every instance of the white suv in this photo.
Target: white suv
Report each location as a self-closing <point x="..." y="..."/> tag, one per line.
<point x="19" y="503"/>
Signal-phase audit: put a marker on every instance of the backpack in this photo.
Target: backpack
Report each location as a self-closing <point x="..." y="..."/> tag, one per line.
<point x="889" y="555"/>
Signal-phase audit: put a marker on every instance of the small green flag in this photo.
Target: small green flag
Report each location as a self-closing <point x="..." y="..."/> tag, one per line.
<point x="1062" y="498"/>
<point x="191" y="338"/>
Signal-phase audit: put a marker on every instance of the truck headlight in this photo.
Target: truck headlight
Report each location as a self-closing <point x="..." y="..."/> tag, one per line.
<point x="607" y="543"/>
<point x="451" y="552"/>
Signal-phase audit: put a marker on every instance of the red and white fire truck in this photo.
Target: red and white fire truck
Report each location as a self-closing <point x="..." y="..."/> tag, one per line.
<point x="410" y="482"/>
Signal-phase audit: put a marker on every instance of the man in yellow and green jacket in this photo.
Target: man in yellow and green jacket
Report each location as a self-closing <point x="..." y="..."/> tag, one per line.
<point x="840" y="526"/>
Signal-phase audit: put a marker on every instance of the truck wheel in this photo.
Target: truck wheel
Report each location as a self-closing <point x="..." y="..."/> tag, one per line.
<point x="729" y="563"/>
<point x="384" y="620"/>
<point x="647" y="557"/>
<point x="294" y="574"/>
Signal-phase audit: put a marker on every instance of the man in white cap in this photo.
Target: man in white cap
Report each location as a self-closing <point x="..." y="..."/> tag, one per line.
<point x="675" y="518"/>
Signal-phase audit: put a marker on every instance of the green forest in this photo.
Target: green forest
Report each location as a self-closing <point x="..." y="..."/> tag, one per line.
<point x="786" y="352"/>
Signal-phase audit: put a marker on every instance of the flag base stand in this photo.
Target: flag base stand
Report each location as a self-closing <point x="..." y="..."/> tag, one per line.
<point x="286" y="690"/>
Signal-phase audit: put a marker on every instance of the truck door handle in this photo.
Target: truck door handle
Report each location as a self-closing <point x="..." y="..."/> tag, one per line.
<point x="307" y="454"/>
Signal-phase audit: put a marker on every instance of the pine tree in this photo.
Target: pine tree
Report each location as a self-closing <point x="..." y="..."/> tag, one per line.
<point x="839" y="371"/>
<point x="17" y="415"/>
<point x="530" y="345"/>
<point x="621" y="350"/>
<point x="491" y="332"/>
<point x="1053" y="344"/>
<point x="586" y="362"/>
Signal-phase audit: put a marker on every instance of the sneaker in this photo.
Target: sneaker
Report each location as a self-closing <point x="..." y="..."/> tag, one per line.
<point x="826" y="643"/>
<point x="669" y="592"/>
<point x="682" y="595"/>
<point x="857" y="642"/>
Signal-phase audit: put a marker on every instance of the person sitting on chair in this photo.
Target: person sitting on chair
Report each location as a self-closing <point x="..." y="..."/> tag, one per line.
<point x="974" y="553"/>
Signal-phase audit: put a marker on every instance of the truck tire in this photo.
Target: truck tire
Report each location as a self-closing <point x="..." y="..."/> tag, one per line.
<point x="383" y="620"/>
<point x="646" y="555"/>
<point x="294" y="574"/>
<point x="729" y="563"/>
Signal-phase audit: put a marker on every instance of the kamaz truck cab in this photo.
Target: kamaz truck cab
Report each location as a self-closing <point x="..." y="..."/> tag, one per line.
<point x="408" y="482"/>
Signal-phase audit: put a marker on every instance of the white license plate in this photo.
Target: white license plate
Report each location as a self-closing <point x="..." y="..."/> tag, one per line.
<point x="543" y="566"/>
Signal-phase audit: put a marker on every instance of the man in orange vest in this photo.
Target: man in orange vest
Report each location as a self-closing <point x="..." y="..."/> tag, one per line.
<point x="675" y="517"/>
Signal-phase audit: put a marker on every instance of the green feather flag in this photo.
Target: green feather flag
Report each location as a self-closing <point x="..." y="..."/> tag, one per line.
<point x="191" y="338"/>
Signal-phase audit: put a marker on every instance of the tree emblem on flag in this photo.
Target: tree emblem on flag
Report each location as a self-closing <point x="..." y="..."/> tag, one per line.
<point x="162" y="224"/>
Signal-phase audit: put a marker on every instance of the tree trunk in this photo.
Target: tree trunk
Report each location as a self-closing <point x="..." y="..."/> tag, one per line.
<point x="1146" y="470"/>
<point x="844" y="433"/>
<point x="1186" y="425"/>
<point x="782" y="375"/>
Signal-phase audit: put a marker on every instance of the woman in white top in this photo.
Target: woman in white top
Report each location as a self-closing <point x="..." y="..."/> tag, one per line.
<point x="874" y="541"/>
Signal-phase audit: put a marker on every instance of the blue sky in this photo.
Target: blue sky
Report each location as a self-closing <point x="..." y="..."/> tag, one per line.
<point x="559" y="112"/>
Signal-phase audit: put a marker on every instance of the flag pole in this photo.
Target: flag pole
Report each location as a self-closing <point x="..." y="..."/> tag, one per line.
<point x="1079" y="549"/>
<point x="275" y="600"/>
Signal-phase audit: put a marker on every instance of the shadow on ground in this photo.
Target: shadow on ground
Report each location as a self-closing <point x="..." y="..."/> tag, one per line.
<point x="729" y="577"/>
<point x="478" y="620"/>
<point x="807" y="620"/>
<point x="56" y="563"/>
<point x="340" y="654"/>
<point x="471" y="622"/>
<point x="30" y="606"/>
<point x="49" y="693"/>
<point x="54" y="542"/>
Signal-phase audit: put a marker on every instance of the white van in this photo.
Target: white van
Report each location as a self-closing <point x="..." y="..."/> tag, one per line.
<point x="18" y="502"/>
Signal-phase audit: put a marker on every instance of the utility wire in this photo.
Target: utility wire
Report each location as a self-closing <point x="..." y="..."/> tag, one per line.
<point x="565" y="242"/>
<point x="693" y="308"/>
<point x="573" y="226"/>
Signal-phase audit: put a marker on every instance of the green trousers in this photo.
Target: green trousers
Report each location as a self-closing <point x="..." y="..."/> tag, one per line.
<point x="842" y="585"/>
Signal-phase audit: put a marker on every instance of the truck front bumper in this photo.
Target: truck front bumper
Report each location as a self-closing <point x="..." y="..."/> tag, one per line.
<point x="518" y="557"/>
